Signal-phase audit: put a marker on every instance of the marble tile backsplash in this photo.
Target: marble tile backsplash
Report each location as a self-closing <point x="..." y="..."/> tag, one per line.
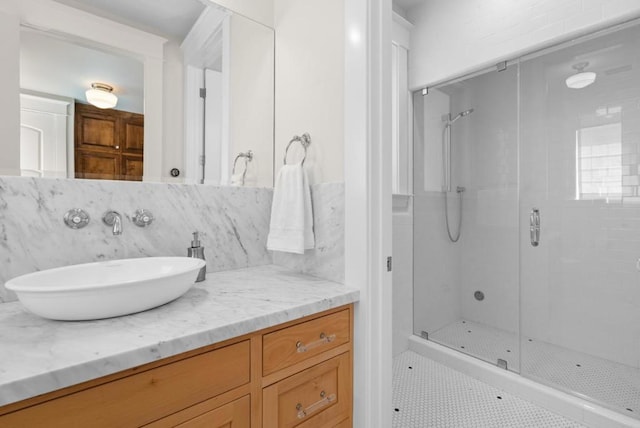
<point x="327" y="259"/>
<point x="233" y="222"/>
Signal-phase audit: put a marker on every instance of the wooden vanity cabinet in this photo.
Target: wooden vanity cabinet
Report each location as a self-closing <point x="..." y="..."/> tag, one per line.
<point x="307" y="369"/>
<point x="298" y="374"/>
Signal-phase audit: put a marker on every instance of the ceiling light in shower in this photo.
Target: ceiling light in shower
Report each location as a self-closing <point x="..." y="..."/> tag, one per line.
<point x="582" y="78"/>
<point x="101" y="95"/>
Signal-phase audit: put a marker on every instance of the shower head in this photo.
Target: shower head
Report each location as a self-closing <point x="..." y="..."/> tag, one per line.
<point x="461" y="114"/>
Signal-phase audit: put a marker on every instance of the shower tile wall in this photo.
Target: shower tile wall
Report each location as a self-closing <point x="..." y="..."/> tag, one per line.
<point x="484" y="154"/>
<point x="488" y="169"/>
<point x="581" y="286"/>
<point x="436" y="291"/>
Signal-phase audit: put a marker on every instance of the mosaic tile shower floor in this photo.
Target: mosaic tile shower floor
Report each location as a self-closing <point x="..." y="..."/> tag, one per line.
<point x="612" y="384"/>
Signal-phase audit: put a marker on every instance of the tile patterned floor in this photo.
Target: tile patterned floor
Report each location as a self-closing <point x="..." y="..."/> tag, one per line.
<point x="611" y="384"/>
<point x="427" y="394"/>
<point x="480" y="341"/>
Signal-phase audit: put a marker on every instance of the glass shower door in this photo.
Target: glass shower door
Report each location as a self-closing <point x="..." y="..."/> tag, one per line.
<point x="580" y="219"/>
<point x="466" y="216"/>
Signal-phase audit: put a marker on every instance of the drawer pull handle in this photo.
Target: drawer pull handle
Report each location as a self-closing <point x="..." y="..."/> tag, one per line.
<point x="301" y="347"/>
<point x="302" y="413"/>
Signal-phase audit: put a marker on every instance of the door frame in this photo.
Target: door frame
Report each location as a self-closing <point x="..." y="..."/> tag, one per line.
<point x="367" y="172"/>
<point x="69" y="103"/>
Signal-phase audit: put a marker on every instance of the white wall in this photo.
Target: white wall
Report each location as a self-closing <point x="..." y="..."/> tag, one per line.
<point x="310" y="84"/>
<point x="261" y="10"/>
<point x="251" y="79"/>
<point x="10" y="89"/>
<point x="173" y="108"/>
<point x="453" y="37"/>
<point x="431" y="161"/>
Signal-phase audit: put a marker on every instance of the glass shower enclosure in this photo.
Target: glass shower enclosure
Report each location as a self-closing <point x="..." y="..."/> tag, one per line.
<point x="527" y="216"/>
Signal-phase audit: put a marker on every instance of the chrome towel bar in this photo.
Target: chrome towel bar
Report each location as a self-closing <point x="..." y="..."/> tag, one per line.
<point x="304" y="140"/>
<point x="248" y="157"/>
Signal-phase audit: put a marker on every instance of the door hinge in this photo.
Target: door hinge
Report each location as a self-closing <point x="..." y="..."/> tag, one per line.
<point x="389" y="263"/>
<point x="203" y="92"/>
<point x="202" y="160"/>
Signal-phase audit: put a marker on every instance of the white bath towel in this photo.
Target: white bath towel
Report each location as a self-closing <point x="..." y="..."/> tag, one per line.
<point x="291" y="228"/>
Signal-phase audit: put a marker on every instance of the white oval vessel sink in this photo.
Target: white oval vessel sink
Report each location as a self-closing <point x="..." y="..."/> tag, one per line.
<point x="105" y="289"/>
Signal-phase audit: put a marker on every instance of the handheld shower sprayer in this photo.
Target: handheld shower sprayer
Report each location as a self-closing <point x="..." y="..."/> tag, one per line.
<point x="458" y="116"/>
<point x="446" y="170"/>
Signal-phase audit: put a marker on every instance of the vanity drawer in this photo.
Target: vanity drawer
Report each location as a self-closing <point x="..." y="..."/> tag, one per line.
<point x="291" y="345"/>
<point x="317" y="397"/>
<point x="236" y="414"/>
<point x="143" y="397"/>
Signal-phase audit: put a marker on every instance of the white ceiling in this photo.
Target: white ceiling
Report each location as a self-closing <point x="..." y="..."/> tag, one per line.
<point x="59" y="67"/>
<point x="407" y="4"/>
<point x="168" y="18"/>
<point x="65" y="68"/>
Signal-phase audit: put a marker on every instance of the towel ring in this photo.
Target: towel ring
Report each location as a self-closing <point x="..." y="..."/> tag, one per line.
<point x="305" y="140"/>
<point x="248" y="157"/>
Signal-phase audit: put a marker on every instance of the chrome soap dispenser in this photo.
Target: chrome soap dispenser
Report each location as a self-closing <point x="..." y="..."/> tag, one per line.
<point x="197" y="251"/>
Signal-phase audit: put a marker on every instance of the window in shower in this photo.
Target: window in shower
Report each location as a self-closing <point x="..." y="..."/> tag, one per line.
<point x="599" y="172"/>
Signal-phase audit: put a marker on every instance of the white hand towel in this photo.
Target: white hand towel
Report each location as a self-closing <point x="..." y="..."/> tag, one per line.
<point x="291" y="228"/>
<point x="236" y="180"/>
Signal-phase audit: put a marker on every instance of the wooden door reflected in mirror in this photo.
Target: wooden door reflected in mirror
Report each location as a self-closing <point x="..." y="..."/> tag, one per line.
<point x="109" y="144"/>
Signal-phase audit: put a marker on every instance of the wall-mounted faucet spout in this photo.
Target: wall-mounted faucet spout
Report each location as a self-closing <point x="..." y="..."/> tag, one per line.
<point x="113" y="218"/>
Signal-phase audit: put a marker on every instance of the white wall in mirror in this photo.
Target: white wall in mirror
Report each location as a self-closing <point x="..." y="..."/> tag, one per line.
<point x="10" y="89"/>
<point x="309" y="63"/>
<point x="60" y="19"/>
<point x="57" y="65"/>
<point x="258" y="10"/>
<point x="46" y="136"/>
<point x="233" y="59"/>
<point x="164" y="72"/>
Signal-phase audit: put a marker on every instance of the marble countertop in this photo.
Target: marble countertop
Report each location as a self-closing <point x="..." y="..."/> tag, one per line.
<point x="39" y="356"/>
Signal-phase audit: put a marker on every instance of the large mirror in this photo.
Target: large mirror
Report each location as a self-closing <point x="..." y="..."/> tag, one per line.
<point x="185" y="92"/>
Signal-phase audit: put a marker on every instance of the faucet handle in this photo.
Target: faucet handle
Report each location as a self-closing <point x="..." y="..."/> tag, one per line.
<point x="143" y="218"/>
<point x="113" y="218"/>
<point x="76" y="218"/>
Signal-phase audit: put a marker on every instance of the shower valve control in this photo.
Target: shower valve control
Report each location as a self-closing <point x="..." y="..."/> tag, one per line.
<point x="534" y="226"/>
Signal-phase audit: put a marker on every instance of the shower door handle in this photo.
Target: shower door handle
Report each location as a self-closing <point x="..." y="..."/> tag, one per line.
<point x="534" y="226"/>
